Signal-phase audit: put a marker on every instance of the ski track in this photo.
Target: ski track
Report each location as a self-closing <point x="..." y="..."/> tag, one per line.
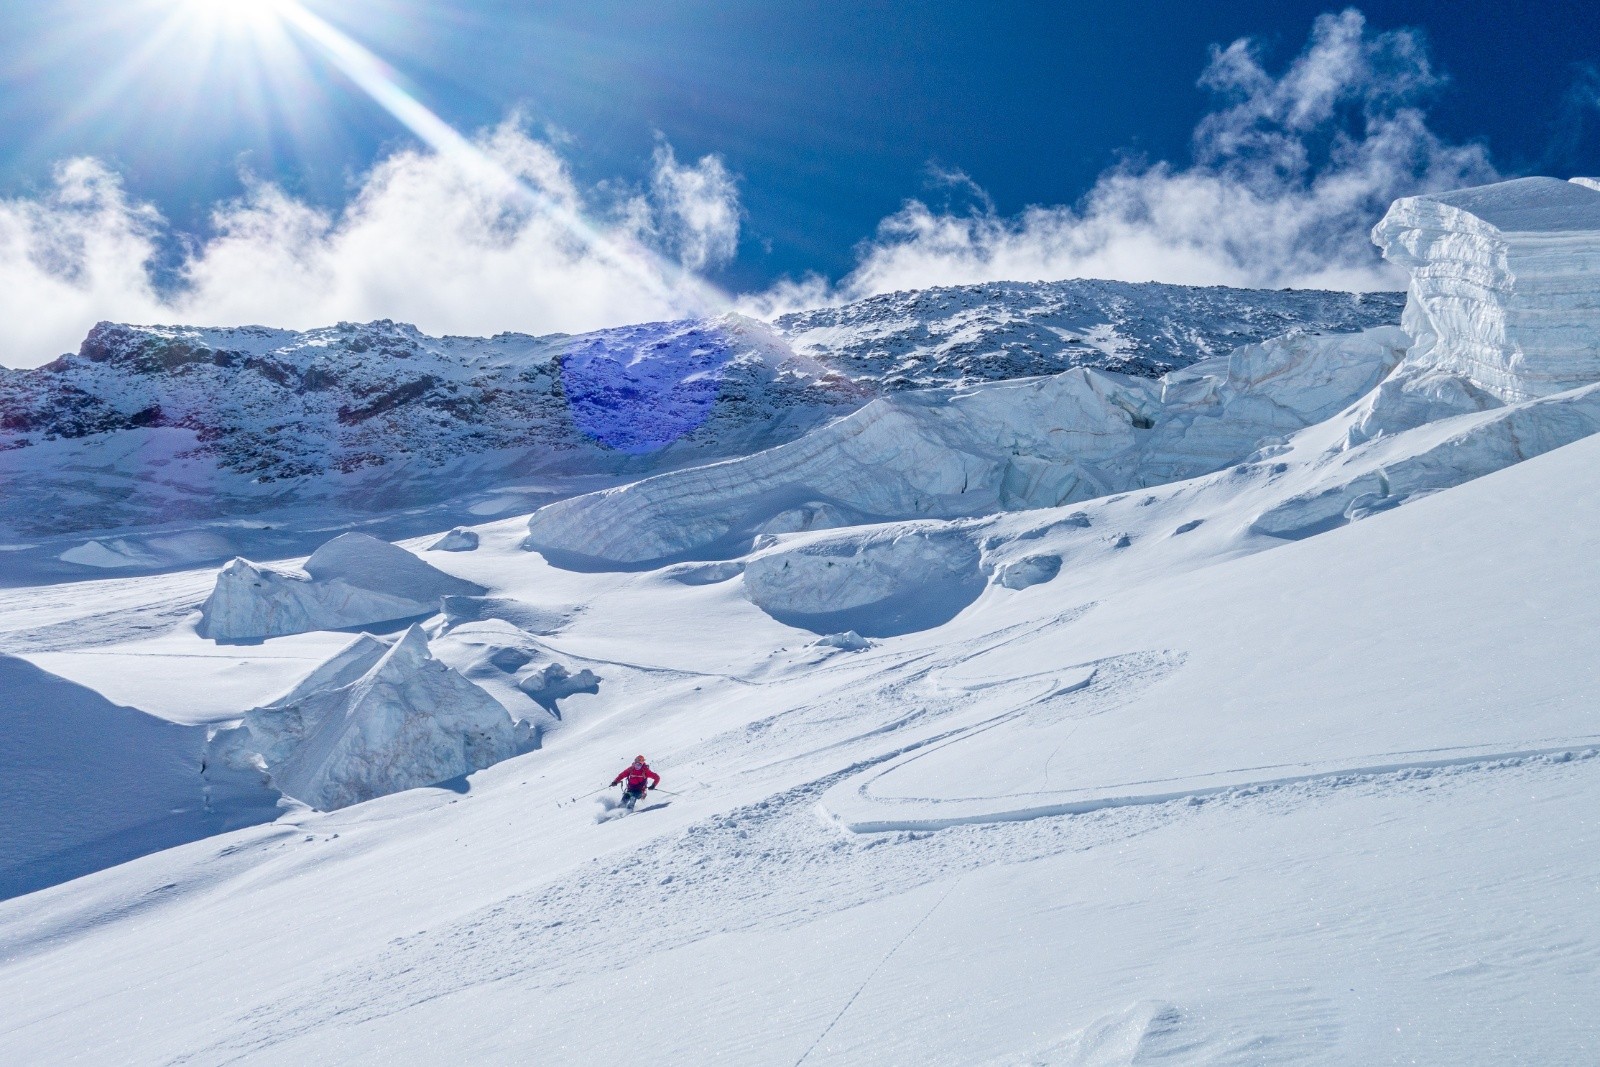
<point x="769" y="865"/>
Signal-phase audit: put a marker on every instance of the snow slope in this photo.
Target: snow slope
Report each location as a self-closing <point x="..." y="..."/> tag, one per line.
<point x="1243" y="716"/>
<point x="88" y="783"/>
<point x="1274" y="921"/>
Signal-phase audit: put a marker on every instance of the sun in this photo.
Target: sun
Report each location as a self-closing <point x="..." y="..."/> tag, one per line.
<point x="238" y="16"/>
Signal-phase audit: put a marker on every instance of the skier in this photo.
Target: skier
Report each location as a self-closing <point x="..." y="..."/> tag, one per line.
<point x="637" y="776"/>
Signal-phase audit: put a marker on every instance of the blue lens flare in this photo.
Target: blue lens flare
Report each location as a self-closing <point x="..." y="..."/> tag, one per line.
<point x="641" y="388"/>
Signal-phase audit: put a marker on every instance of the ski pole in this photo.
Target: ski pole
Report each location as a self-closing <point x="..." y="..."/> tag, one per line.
<point x="587" y="795"/>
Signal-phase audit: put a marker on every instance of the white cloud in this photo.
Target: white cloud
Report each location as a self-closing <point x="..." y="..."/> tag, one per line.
<point x="71" y="257"/>
<point x="696" y="209"/>
<point x="1288" y="176"/>
<point x="424" y="240"/>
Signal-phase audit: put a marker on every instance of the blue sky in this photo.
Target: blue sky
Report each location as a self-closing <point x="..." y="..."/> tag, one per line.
<point x="814" y="122"/>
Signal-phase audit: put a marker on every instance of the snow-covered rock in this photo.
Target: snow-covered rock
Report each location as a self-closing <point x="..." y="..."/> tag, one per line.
<point x="405" y="721"/>
<point x="148" y="424"/>
<point x="1502" y="289"/>
<point x="1000" y="330"/>
<point x="550" y="684"/>
<point x="1028" y="571"/>
<point x="353" y="580"/>
<point x="459" y="539"/>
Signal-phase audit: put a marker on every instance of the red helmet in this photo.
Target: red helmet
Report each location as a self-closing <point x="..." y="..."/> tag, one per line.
<point x="638" y="759"/>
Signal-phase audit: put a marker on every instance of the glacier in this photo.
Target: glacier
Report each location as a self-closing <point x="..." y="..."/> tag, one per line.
<point x="1206" y="684"/>
<point x="1007" y="446"/>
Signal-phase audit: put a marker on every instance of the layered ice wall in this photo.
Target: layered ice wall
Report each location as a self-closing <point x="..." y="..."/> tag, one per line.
<point x="1005" y="446"/>
<point x="1000" y="447"/>
<point x="1505" y="283"/>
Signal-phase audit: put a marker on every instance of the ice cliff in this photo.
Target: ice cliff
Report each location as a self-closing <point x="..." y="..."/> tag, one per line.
<point x="1004" y="446"/>
<point x="1503" y="288"/>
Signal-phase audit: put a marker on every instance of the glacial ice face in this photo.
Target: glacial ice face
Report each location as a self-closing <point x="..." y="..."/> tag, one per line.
<point x="997" y="447"/>
<point x="1431" y="456"/>
<point x="353" y="580"/>
<point x="1008" y="446"/>
<point x="1218" y="412"/>
<point x="405" y="721"/>
<point x="1502" y="289"/>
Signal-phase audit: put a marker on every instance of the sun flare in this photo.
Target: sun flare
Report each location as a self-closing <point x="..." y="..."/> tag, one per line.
<point x="237" y="15"/>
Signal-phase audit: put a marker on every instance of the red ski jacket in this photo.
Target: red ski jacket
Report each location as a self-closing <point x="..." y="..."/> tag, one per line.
<point x="636" y="774"/>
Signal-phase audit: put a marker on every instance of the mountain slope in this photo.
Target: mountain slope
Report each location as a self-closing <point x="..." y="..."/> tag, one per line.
<point x="171" y="425"/>
<point x="999" y="330"/>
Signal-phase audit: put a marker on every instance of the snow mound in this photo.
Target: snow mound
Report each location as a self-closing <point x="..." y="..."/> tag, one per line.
<point x="459" y="539"/>
<point x="704" y="573"/>
<point x="353" y="580"/>
<point x="1502" y="283"/>
<point x="1149" y="1031"/>
<point x="879" y="583"/>
<point x="89" y="784"/>
<point x="149" y="552"/>
<point x="405" y="721"/>
<point x="849" y="641"/>
<point x="107" y="555"/>
<point x="460" y="610"/>
<point x="509" y="659"/>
